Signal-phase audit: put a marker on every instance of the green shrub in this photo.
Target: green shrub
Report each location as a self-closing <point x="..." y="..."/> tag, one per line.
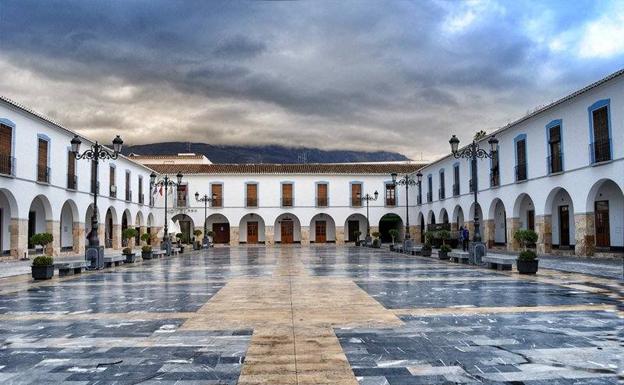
<point x="527" y="255"/>
<point x="146" y="237"/>
<point x="41" y="239"/>
<point x="210" y="233"/>
<point x="127" y="250"/>
<point x="376" y="242"/>
<point x="427" y="246"/>
<point x="430" y="236"/>
<point x="43" y="260"/>
<point x="525" y="237"/>
<point x="197" y="233"/>
<point x="146" y="249"/>
<point x="443" y="235"/>
<point x="394" y="233"/>
<point x="445" y="248"/>
<point x="129" y="233"/>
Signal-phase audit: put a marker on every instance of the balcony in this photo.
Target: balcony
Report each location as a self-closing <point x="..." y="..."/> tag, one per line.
<point x="429" y="197"/>
<point x="151" y="200"/>
<point x="600" y="151"/>
<point x="252" y="202"/>
<point x="356" y="202"/>
<point x="7" y="165"/>
<point x="72" y="182"/>
<point x="128" y="195"/>
<point x="494" y="179"/>
<point x="470" y="186"/>
<point x="217" y="202"/>
<point x="555" y="163"/>
<point x="112" y="191"/>
<point x="322" y="202"/>
<point x="95" y="187"/>
<point x="43" y="174"/>
<point x="521" y="172"/>
<point x="141" y="199"/>
<point x="441" y="193"/>
<point x="455" y="189"/>
<point x="287" y="202"/>
<point x="390" y="202"/>
<point x="419" y="200"/>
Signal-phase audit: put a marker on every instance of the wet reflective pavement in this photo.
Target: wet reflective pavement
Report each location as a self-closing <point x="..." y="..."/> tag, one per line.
<point x="309" y="315"/>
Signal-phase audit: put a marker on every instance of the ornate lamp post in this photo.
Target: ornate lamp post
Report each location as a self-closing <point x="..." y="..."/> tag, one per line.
<point x="404" y="181"/>
<point x="166" y="182"/>
<point x="472" y="152"/>
<point x="94" y="252"/>
<point x="205" y="199"/>
<point x="367" y="198"/>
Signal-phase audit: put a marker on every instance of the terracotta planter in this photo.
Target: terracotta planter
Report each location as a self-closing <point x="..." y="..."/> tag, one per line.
<point x="527" y="267"/>
<point x="42" y="272"/>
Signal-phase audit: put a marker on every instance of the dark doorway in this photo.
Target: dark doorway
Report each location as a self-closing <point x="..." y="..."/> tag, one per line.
<point x="221" y="233"/>
<point x="354" y="227"/>
<point x="531" y="220"/>
<point x="602" y="224"/>
<point x="286" y="231"/>
<point x="252" y="232"/>
<point x="422" y="229"/>
<point x="32" y="226"/>
<point x="564" y="226"/>
<point x="320" y="232"/>
<point x="387" y="223"/>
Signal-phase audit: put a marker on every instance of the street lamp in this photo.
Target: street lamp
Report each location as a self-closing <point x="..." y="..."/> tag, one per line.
<point x="472" y="152"/>
<point x="166" y="182"/>
<point x="367" y="198"/>
<point x="404" y="181"/>
<point x="94" y="252"/>
<point x="205" y="199"/>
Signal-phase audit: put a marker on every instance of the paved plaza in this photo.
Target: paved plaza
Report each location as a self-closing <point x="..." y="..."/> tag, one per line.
<point x="310" y="315"/>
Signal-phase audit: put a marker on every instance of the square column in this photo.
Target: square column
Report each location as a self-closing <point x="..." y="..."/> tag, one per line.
<point x="585" y="234"/>
<point x="340" y="235"/>
<point x="54" y="228"/>
<point x="543" y="227"/>
<point x="513" y="224"/>
<point x="305" y="235"/>
<point x="116" y="237"/>
<point x="489" y="233"/>
<point x="18" y="230"/>
<point x="269" y="235"/>
<point x="79" y="237"/>
<point x="234" y="235"/>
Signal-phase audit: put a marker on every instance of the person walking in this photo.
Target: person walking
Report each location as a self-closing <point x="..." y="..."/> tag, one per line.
<point x="460" y="237"/>
<point x="466" y="238"/>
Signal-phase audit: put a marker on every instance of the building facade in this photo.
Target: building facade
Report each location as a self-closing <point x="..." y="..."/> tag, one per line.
<point x="559" y="171"/>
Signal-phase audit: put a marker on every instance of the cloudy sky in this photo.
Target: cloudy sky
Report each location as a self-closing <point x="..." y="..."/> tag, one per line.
<point x="368" y="75"/>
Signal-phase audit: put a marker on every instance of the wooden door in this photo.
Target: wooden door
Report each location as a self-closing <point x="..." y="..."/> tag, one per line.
<point x="320" y="232"/>
<point x="221" y="233"/>
<point x="252" y="232"/>
<point x="286" y="231"/>
<point x="602" y="224"/>
<point x="354" y="227"/>
<point x="564" y="226"/>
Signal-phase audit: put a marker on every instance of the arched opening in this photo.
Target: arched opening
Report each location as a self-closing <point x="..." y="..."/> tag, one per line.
<point x="126" y="222"/>
<point x="457" y="223"/>
<point x="88" y="222"/>
<point x="287" y="229"/>
<point x="186" y="225"/>
<point x="444" y="216"/>
<point x="252" y="230"/>
<point x="421" y="220"/>
<point x="322" y="229"/>
<point x="139" y="226"/>
<point x="524" y="210"/>
<point x="39" y="215"/>
<point x="8" y="211"/>
<point x="220" y="227"/>
<point x="431" y="219"/>
<point x="606" y="201"/>
<point x="389" y="222"/>
<point x="110" y="222"/>
<point x="471" y="225"/>
<point x="559" y="211"/>
<point x="69" y="232"/>
<point x="355" y="223"/>
<point x="150" y="227"/>
<point x="497" y="224"/>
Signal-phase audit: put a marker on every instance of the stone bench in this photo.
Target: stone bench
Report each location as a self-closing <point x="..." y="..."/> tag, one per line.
<point x="499" y="261"/>
<point x="175" y="250"/>
<point x="70" y="267"/>
<point x="459" y="256"/>
<point x="114" y="260"/>
<point x="397" y="248"/>
<point x="414" y="250"/>
<point x="158" y="253"/>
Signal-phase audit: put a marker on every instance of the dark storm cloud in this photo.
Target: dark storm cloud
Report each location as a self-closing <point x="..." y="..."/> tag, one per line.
<point x="363" y="75"/>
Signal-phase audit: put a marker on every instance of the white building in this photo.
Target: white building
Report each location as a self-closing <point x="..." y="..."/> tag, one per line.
<point x="560" y="171"/>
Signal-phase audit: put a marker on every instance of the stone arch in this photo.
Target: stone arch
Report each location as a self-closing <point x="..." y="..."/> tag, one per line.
<point x="290" y="224"/>
<point x="443" y="217"/>
<point x="252" y="229"/>
<point x="524" y="212"/>
<point x="458" y="216"/>
<point x="140" y="219"/>
<point x="353" y="223"/>
<point x="220" y="227"/>
<point x="388" y="222"/>
<point x="558" y="221"/>
<point x="186" y="226"/>
<point x="126" y="223"/>
<point x="151" y="228"/>
<point x="322" y="229"/>
<point x="431" y="219"/>
<point x="69" y="232"/>
<point x="41" y="219"/>
<point x="112" y="233"/>
<point x="496" y="225"/>
<point x="8" y="217"/>
<point x="604" y="208"/>
<point x="423" y="226"/>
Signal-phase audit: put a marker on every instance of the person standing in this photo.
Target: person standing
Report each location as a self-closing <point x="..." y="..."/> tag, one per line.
<point x="460" y="237"/>
<point x="466" y="238"/>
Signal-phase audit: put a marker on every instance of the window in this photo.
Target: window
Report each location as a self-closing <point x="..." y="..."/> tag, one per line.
<point x="555" y="153"/>
<point x="182" y="195"/>
<point x="390" y="194"/>
<point x="141" y="197"/>
<point x="441" y="192"/>
<point x="356" y="194"/>
<point x="494" y="170"/>
<point x="217" y="194"/>
<point x="111" y="182"/>
<point x="287" y="194"/>
<point x="72" y="179"/>
<point x="456" y="179"/>
<point x="600" y="147"/>
<point x="43" y="171"/>
<point x="419" y="197"/>
<point x="430" y="188"/>
<point x="252" y="195"/>
<point x="7" y="161"/>
<point x="95" y="185"/>
<point x="521" y="160"/>
<point x="321" y="195"/>
<point x="128" y="190"/>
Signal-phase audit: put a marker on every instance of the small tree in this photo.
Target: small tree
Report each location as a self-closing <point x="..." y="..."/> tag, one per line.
<point x="526" y="237"/>
<point x="146" y="237"/>
<point x="128" y="234"/>
<point x="197" y="233"/>
<point x="357" y="235"/>
<point x="43" y="240"/>
<point x="394" y="234"/>
<point x="444" y="235"/>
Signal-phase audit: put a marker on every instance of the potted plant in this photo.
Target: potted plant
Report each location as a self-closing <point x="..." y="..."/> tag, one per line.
<point x="42" y="267"/>
<point x="43" y="240"/>
<point x="197" y="244"/>
<point x="443" y="252"/>
<point x="376" y="242"/>
<point x="129" y="254"/>
<point x="357" y="237"/>
<point x="426" y="250"/>
<point x="394" y="234"/>
<point x="146" y="237"/>
<point x="146" y="252"/>
<point x="128" y="234"/>
<point x="527" y="262"/>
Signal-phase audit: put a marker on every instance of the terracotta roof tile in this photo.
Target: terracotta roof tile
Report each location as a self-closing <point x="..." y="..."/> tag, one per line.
<point x="311" y="168"/>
